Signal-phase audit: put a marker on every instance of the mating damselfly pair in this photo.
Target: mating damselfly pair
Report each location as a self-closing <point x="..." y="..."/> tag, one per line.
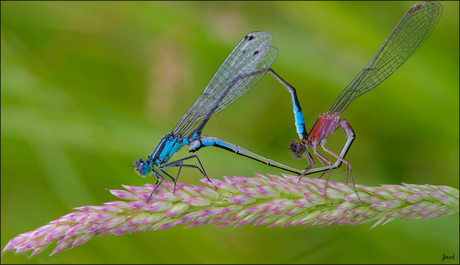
<point x="248" y="62"/>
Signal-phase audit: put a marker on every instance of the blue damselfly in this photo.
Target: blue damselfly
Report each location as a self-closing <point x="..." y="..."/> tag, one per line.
<point x="248" y="62"/>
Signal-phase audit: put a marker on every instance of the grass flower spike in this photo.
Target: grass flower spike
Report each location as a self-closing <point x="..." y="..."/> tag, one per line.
<point x="271" y="201"/>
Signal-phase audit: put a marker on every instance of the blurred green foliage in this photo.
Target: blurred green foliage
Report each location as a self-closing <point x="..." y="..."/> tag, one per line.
<point x="89" y="87"/>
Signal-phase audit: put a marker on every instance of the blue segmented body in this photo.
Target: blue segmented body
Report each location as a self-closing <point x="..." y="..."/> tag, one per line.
<point x="248" y="62"/>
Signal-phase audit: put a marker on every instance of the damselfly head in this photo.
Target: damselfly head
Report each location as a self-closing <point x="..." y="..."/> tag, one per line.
<point x="141" y="167"/>
<point x="298" y="149"/>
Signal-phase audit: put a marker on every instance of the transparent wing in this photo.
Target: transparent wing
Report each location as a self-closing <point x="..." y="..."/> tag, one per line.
<point x="254" y="52"/>
<point x="407" y="36"/>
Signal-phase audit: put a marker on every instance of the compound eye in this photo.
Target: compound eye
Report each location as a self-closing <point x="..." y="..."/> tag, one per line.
<point x="293" y="146"/>
<point x="141" y="167"/>
<point x="297" y="148"/>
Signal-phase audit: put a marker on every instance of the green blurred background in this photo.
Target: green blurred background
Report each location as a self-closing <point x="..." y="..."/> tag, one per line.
<point x="89" y="87"/>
